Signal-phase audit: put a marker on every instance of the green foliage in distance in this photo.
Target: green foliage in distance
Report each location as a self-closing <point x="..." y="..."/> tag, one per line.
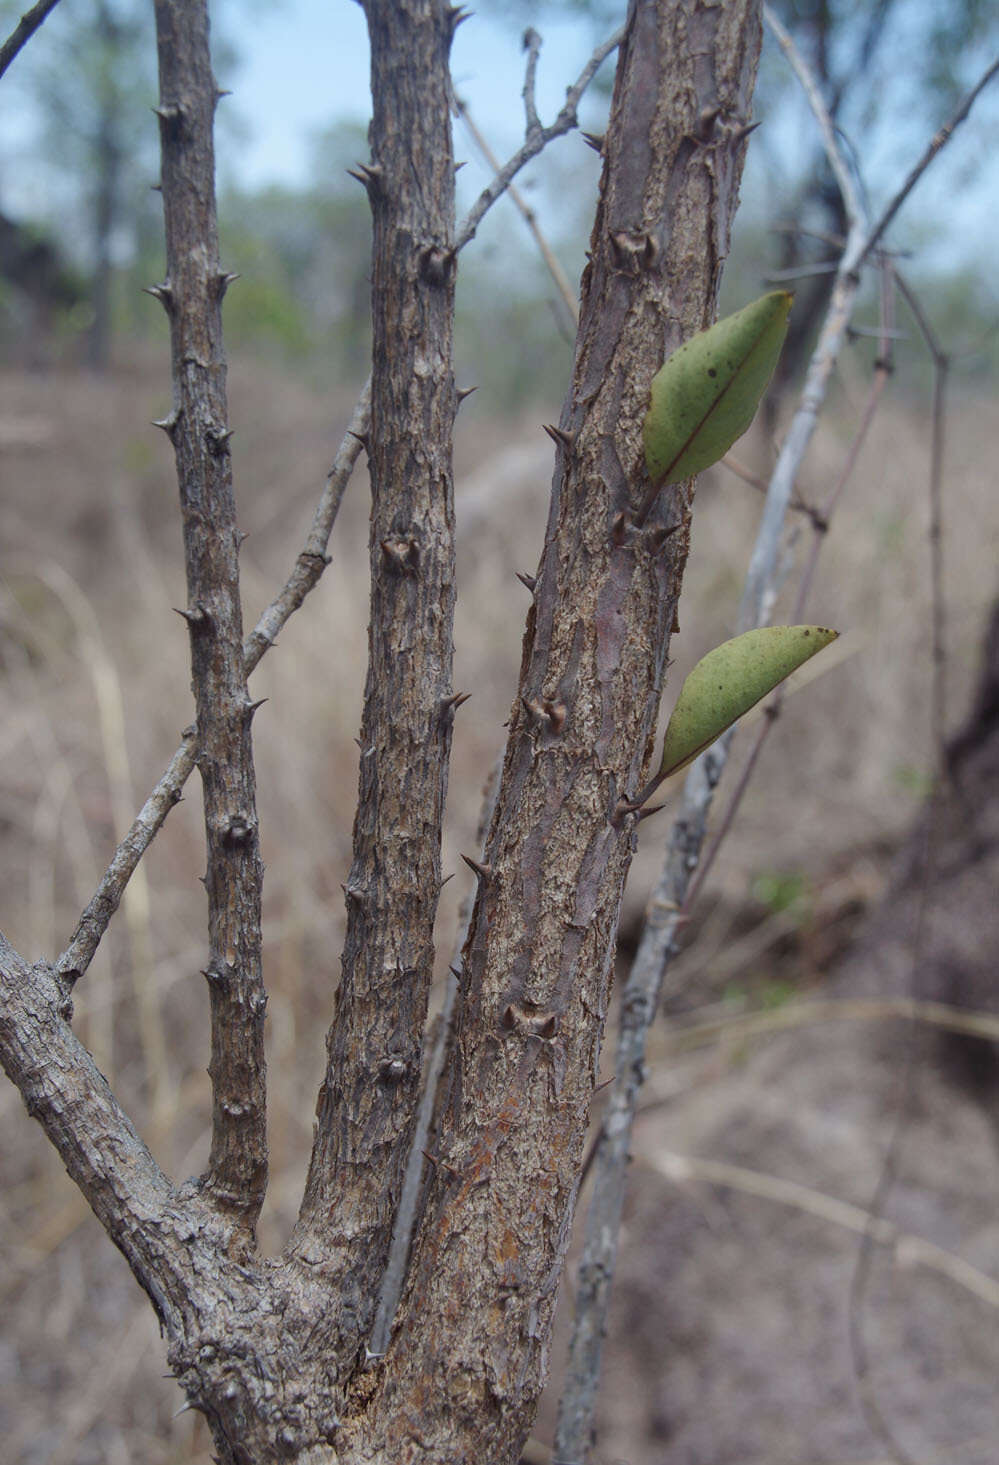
<point x="706" y="393"/>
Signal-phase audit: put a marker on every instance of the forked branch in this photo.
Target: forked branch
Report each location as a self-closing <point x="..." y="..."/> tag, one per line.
<point x="305" y="575"/>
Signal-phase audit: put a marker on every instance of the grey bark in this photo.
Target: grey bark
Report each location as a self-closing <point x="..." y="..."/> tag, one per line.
<point x="198" y="428"/>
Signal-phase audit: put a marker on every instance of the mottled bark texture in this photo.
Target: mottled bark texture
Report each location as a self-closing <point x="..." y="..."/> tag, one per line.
<point x="368" y="1101"/>
<point x="273" y="1351"/>
<point x="469" y="1355"/>
<point x="198" y="428"/>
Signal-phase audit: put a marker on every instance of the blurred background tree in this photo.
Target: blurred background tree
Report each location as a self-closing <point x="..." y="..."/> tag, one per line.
<point x="78" y="168"/>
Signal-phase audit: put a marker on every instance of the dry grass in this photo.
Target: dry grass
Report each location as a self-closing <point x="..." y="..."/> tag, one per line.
<point x="94" y="664"/>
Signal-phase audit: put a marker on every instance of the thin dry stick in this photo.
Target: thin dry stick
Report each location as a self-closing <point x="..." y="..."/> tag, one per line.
<point x="532" y="45"/>
<point x="941" y="365"/>
<point x="909" y="1250"/>
<point x="742" y="1027"/>
<point x="438" y="1041"/>
<point x="556" y="271"/>
<point x="309" y="565"/>
<point x="936" y="143"/>
<point x="537" y="139"/>
<point x="820" y="520"/>
<point x="24" y="30"/>
<point x="834" y="153"/>
<point x="859" y="1355"/>
<point x="308" y="568"/>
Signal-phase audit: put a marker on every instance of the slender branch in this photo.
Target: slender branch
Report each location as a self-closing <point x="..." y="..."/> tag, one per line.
<point x="909" y="1250"/>
<point x="198" y="428"/>
<point x="537" y="139"/>
<point x="313" y="557"/>
<point x="743" y="1026"/>
<point x="840" y="168"/>
<point x="906" y="1076"/>
<point x="369" y="1098"/>
<point x="532" y="45"/>
<point x="24" y="30"/>
<point x="926" y="866"/>
<point x="309" y="566"/>
<point x="933" y="147"/>
<point x="556" y="271"/>
<point x="938" y="612"/>
<point x="439" y="1042"/>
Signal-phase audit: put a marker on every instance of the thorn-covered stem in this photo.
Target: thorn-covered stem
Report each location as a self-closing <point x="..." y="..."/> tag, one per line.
<point x="237" y="1171"/>
<point x="365" y="1124"/>
<point x="517" y="1087"/>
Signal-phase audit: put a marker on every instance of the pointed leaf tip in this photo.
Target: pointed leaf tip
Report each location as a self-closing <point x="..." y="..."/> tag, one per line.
<point x="706" y="394"/>
<point x="729" y="681"/>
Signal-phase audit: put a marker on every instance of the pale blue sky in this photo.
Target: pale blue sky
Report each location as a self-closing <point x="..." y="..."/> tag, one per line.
<point x="305" y="65"/>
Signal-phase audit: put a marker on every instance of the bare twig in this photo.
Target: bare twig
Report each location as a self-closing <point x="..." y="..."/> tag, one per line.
<point x="926" y="865"/>
<point x="840" y="168"/>
<point x="941" y="365"/>
<point x="313" y="559"/>
<point x="438" y="1042"/>
<point x="537" y="139"/>
<point x="24" y="30"/>
<point x="556" y="271"/>
<point x="308" y="567"/>
<point x="802" y="272"/>
<point x="532" y="45"/>
<point x="933" y="147"/>
<point x="743" y="1026"/>
<point x="909" y="1250"/>
<point x="906" y="1093"/>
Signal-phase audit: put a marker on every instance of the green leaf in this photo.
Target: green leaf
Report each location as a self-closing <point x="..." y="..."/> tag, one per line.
<point x="706" y="394"/>
<point x="731" y="679"/>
